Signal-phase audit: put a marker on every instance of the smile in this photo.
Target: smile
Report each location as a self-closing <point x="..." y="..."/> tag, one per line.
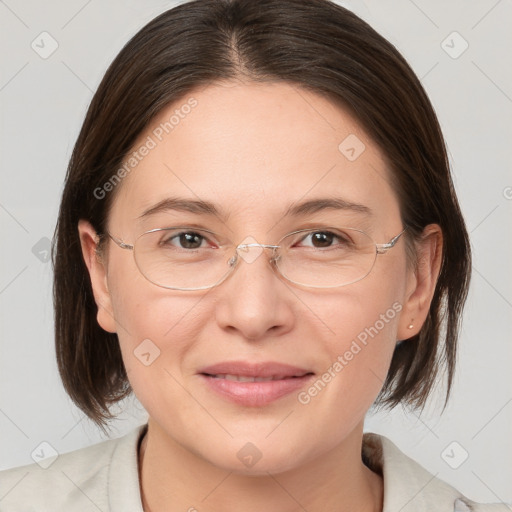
<point x="254" y="384"/>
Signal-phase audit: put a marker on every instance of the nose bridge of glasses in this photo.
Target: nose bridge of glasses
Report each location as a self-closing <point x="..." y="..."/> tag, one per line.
<point x="243" y="250"/>
<point x="243" y="247"/>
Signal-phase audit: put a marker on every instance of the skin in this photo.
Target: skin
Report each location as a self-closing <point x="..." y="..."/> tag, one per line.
<point x="253" y="149"/>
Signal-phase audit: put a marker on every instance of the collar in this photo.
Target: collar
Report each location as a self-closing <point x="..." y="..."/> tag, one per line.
<point x="408" y="486"/>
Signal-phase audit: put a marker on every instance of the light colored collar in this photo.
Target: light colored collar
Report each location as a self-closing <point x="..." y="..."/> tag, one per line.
<point x="408" y="486"/>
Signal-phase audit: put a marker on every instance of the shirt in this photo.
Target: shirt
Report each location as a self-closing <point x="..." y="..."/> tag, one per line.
<point x="104" y="477"/>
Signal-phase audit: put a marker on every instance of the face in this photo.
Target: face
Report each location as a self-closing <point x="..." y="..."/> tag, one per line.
<point x="254" y="150"/>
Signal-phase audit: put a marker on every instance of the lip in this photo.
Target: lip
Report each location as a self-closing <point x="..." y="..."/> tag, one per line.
<point x="255" y="394"/>
<point x="263" y="369"/>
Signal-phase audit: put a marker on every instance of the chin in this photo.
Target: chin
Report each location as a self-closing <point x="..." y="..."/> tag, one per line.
<point x="260" y="468"/>
<point x="254" y="459"/>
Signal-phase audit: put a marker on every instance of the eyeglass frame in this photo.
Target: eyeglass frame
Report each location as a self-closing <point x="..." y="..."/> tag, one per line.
<point x="233" y="262"/>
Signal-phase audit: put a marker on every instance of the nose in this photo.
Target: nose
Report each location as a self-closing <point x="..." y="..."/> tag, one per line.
<point x="254" y="301"/>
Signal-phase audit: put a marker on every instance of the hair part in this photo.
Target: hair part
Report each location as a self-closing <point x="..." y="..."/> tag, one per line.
<point x="317" y="45"/>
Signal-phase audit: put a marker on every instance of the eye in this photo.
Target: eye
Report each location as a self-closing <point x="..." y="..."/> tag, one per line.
<point x="185" y="240"/>
<point x="326" y="239"/>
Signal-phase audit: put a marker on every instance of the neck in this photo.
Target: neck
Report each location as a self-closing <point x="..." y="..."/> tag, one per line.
<point x="174" y="479"/>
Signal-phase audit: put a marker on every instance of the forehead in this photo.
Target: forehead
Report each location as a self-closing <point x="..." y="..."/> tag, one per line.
<point x="253" y="149"/>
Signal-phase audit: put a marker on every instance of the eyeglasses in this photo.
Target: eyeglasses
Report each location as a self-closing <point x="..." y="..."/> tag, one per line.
<point x="188" y="258"/>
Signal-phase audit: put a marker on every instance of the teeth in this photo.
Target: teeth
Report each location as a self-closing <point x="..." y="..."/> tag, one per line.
<point x="243" y="378"/>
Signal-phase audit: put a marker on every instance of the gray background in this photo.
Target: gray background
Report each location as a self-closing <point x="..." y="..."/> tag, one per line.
<point x="43" y="104"/>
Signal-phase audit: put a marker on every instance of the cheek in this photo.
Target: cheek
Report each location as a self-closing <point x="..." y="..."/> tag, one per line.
<point x="365" y="353"/>
<point x="368" y="310"/>
<point x="362" y="328"/>
<point x="155" y="327"/>
<point x="145" y="311"/>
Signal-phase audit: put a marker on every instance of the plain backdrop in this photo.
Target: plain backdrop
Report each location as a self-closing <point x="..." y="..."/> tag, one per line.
<point x="459" y="49"/>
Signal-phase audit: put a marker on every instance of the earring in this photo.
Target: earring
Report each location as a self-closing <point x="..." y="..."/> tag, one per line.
<point x="411" y="325"/>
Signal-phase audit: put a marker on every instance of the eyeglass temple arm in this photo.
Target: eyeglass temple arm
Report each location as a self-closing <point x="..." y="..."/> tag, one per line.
<point x="383" y="248"/>
<point x="119" y="242"/>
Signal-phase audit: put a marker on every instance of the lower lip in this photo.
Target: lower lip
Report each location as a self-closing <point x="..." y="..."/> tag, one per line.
<point x="255" y="394"/>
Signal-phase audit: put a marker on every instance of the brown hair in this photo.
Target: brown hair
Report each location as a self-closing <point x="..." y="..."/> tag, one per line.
<point x="314" y="44"/>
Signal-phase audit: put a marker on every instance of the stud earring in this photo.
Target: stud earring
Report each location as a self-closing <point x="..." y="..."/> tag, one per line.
<point x="410" y="326"/>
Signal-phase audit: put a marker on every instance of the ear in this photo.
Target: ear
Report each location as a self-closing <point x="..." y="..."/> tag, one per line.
<point x="98" y="274"/>
<point x="421" y="282"/>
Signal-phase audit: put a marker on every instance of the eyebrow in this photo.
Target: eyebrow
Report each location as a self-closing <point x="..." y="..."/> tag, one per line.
<point x="201" y="207"/>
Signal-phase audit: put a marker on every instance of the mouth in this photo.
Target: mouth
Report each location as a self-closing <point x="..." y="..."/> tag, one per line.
<point x="254" y="384"/>
<point x="247" y="378"/>
<point x="264" y="369"/>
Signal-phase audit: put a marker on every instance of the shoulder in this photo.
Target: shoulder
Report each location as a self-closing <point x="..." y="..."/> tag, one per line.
<point x="409" y="487"/>
<point x="90" y="478"/>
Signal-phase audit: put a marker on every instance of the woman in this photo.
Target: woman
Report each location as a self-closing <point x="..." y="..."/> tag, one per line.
<point x="259" y="237"/>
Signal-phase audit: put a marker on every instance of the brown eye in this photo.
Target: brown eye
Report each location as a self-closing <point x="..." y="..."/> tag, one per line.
<point x="184" y="240"/>
<point x="190" y="240"/>
<point x="325" y="239"/>
<point x="322" y="239"/>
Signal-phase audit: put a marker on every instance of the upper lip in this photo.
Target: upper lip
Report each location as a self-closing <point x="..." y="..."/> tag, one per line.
<point x="263" y="369"/>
